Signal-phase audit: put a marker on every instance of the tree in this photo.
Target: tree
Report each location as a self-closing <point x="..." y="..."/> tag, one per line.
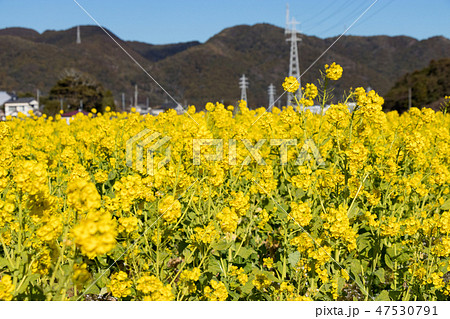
<point x="75" y="87"/>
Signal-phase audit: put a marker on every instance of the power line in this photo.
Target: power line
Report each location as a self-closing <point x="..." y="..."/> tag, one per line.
<point x="345" y="18"/>
<point x="321" y="11"/>
<point x="340" y="9"/>
<point x="376" y="12"/>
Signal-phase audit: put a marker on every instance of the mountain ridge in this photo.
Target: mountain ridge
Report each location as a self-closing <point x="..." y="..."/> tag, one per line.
<point x="195" y="72"/>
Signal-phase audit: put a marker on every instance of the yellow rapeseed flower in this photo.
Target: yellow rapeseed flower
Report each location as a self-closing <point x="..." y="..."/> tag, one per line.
<point x="334" y="71"/>
<point x="291" y="84"/>
<point x="6" y="288"/>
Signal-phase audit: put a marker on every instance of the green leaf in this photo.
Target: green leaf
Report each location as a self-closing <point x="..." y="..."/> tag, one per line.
<point x="341" y="283"/>
<point x="380" y="275"/>
<point x="355" y="267"/>
<point x="222" y="245"/>
<point x="446" y="205"/>
<point x="391" y="252"/>
<point x="3" y="263"/>
<point x="293" y="258"/>
<point x="213" y="266"/>
<point x="363" y="241"/>
<point x="248" y="287"/>
<point x="269" y="206"/>
<point x="353" y="212"/>
<point x="269" y="275"/>
<point x="25" y="284"/>
<point x="383" y="296"/>
<point x="192" y="215"/>
<point x="112" y="175"/>
<point x="388" y="261"/>
<point x="93" y="290"/>
<point x="103" y="261"/>
<point x="245" y="252"/>
<point x="187" y="256"/>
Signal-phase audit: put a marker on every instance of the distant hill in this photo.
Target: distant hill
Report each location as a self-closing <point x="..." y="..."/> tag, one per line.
<point x="196" y="72"/>
<point x="428" y="87"/>
<point x="155" y="53"/>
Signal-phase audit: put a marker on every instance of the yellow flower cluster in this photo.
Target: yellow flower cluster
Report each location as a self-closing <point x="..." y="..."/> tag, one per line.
<point x="261" y="282"/>
<point x="216" y="291"/>
<point x="6" y="288"/>
<point x="334" y="71"/>
<point x="154" y="289"/>
<point x="120" y="285"/>
<point x="301" y="213"/>
<point x="95" y="234"/>
<point x="205" y="235"/>
<point x="128" y="224"/>
<point x="268" y="262"/>
<point x="239" y="273"/>
<point x="228" y="219"/>
<point x="291" y="84"/>
<point x="170" y="209"/>
<point x="263" y="216"/>
<point x="82" y="195"/>
<point x="80" y="274"/>
<point x="240" y="202"/>
<point x="188" y="279"/>
<point x="338" y="224"/>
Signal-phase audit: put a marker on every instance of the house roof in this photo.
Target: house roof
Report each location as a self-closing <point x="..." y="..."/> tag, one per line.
<point x="166" y="106"/>
<point x="73" y="113"/>
<point x="4" y="96"/>
<point x="21" y="100"/>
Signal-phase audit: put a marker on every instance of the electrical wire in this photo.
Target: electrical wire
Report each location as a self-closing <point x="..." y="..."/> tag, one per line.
<point x="316" y="24"/>
<point x="389" y="2"/>
<point x="347" y="17"/>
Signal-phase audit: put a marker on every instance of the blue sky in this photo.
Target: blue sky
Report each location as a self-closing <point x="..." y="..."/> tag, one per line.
<point x="169" y="21"/>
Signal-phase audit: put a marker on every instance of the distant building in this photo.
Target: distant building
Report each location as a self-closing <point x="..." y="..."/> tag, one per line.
<point x="4" y="96"/>
<point x="166" y="106"/>
<point x="24" y="104"/>
<point x="317" y="109"/>
<point x="69" y="115"/>
<point x="142" y="109"/>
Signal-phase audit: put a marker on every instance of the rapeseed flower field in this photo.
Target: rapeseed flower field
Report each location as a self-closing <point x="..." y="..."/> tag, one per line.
<point x="296" y="206"/>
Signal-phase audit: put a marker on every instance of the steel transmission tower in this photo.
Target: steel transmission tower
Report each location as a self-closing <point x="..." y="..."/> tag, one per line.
<point x="78" y="35"/>
<point x="294" y="68"/>
<point x="243" y="84"/>
<point x="271" y="91"/>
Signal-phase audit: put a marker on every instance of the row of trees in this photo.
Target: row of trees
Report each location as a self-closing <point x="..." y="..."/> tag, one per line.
<point x="427" y="86"/>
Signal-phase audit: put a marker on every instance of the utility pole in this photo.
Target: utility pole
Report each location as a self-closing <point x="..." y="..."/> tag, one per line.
<point x="271" y="92"/>
<point x="123" y="102"/>
<point x="294" y="68"/>
<point x="409" y="98"/>
<point x="135" y="95"/>
<point x="243" y="84"/>
<point x="37" y="97"/>
<point x="78" y="35"/>
<point x="61" y="103"/>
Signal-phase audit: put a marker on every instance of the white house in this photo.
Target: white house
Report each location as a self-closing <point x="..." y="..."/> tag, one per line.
<point x="166" y="106"/>
<point x="25" y="104"/>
